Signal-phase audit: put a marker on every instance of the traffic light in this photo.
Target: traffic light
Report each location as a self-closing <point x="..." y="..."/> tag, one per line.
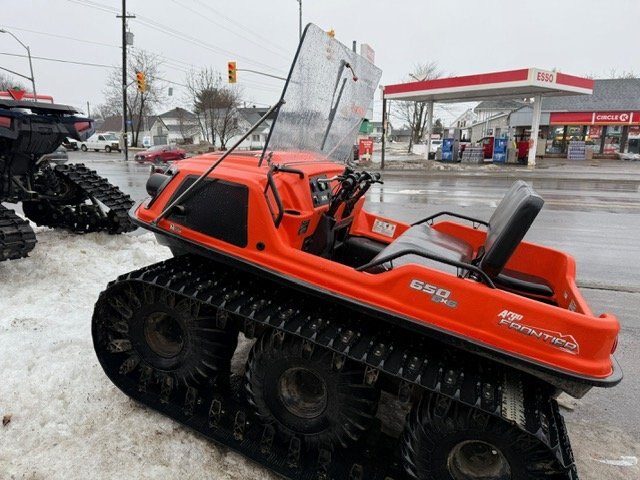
<point x="141" y="82"/>
<point x="231" y="67"/>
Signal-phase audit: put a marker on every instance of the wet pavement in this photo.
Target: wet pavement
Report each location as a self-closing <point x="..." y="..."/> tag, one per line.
<point x="592" y="211"/>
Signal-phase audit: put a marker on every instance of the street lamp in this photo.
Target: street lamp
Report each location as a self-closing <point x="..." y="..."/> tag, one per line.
<point x="33" y="82"/>
<point x="300" y="18"/>
<point x="418" y="79"/>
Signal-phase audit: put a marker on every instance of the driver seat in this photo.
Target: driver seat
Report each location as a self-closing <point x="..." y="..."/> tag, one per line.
<point x="506" y="228"/>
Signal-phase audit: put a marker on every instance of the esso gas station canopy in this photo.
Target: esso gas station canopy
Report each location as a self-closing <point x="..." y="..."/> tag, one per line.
<point x="523" y="83"/>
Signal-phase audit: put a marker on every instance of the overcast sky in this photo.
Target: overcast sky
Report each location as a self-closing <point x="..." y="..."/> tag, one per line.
<point x="581" y="37"/>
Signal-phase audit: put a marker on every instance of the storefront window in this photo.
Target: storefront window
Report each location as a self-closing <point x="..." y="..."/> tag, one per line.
<point x="556" y="138"/>
<point x="612" y="139"/>
<point x="594" y="133"/>
<point x="634" y="139"/>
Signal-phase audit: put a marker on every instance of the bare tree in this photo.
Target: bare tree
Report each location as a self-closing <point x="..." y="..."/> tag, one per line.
<point x="139" y="105"/>
<point x="7" y="82"/>
<point x="226" y="124"/>
<point x="201" y="86"/>
<point x="613" y="73"/>
<point x="106" y="110"/>
<point x="215" y="105"/>
<point x="414" y="114"/>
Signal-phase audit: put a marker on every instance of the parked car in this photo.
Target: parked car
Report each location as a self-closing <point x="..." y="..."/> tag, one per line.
<point x="58" y="156"/>
<point x="160" y="154"/>
<point x="70" y="144"/>
<point x="435" y="145"/>
<point x="101" y="141"/>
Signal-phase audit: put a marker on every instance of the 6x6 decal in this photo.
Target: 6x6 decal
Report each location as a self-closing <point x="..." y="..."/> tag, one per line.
<point x="438" y="295"/>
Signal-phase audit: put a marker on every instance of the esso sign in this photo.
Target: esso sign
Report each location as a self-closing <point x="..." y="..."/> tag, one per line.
<point x="546" y="77"/>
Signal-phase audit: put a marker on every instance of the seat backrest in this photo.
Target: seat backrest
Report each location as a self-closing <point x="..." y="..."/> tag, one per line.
<point x="508" y="225"/>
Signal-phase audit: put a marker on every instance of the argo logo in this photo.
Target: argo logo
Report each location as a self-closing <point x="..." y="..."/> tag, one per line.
<point x="513" y="321"/>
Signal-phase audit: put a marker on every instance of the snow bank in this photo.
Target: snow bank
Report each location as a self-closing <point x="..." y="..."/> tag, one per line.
<point x="68" y="421"/>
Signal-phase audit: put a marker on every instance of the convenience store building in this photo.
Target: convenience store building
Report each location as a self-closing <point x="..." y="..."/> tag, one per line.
<point x="608" y="121"/>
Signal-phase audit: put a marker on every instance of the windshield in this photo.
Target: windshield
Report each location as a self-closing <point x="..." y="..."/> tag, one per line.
<point x="326" y="96"/>
<point x="110" y="136"/>
<point x="157" y="148"/>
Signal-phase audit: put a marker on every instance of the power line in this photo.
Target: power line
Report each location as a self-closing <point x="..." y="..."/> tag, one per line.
<point x="62" y="36"/>
<point x="178" y="63"/>
<point x="59" y="60"/>
<point x="248" y="30"/>
<point x="154" y="25"/>
<point x="192" y="40"/>
<point x="224" y="27"/>
<point x="87" y="3"/>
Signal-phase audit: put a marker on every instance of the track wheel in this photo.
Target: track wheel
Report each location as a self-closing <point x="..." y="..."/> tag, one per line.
<point x="445" y="440"/>
<point x="297" y="388"/>
<point x="161" y="338"/>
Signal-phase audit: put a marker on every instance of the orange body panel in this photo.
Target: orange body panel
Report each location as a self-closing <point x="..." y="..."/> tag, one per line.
<point x="566" y="337"/>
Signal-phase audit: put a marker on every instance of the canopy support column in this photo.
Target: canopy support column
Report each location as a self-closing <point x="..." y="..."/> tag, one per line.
<point x="384" y="130"/>
<point x="535" y="128"/>
<point x="429" y="129"/>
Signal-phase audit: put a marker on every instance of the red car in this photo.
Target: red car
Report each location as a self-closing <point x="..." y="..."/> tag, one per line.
<point x="161" y="153"/>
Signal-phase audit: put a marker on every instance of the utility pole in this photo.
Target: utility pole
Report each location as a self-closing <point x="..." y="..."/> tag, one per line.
<point x="124" y="17"/>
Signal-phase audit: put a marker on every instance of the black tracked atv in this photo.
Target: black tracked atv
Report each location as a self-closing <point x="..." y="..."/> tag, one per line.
<point x="70" y="197"/>
<point x="350" y="311"/>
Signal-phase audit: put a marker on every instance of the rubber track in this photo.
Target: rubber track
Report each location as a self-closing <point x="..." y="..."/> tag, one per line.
<point x="416" y="365"/>
<point x="17" y="238"/>
<point x="82" y="219"/>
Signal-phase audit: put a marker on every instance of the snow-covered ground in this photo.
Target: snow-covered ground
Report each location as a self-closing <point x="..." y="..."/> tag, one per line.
<point x="69" y="422"/>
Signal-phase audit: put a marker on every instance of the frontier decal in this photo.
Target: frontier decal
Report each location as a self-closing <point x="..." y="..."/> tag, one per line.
<point x="558" y="340"/>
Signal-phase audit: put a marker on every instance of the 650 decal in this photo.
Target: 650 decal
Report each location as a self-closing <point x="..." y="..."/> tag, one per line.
<point x="438" y="295"/>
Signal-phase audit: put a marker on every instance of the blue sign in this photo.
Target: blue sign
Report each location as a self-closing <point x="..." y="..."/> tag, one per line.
<point x="447" y="149"/>
<point x="500" y="150"/>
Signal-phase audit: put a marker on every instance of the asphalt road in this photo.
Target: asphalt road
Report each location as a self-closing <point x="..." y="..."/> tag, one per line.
<point x="591" y="211"/>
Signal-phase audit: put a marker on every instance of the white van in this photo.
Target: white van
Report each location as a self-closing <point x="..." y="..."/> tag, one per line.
<point x="101" y="141"/>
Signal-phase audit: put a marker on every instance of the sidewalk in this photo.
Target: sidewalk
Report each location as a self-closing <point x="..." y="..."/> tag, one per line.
<point x="397" y="163"/>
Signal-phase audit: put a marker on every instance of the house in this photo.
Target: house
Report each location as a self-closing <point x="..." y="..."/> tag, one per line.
<point x="497" y="125"/>
<point x="376" y="132"/>
<point x="247" y="117"/>
<point x="402" y="135"/>
<point x="492" y="117"/>
<point x="113" y="123"/>
<point x="463" y="123"/>
<point x="175" y="126"/>
<point x="491" y="108"/>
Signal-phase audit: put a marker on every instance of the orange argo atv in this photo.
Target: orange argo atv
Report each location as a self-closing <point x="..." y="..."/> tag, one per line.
<point x="467" y="327"/>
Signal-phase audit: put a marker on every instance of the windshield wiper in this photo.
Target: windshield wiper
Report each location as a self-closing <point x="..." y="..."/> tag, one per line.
<point x="334" y="106"/>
